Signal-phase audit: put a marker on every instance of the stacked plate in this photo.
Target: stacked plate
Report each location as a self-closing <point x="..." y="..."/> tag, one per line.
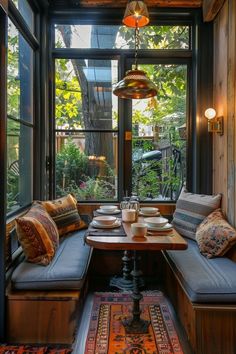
<point x="157" y="224"/>
<point x="105" y="222"/>
<point x="149" y="211"/>
<point x="108" y="209"/>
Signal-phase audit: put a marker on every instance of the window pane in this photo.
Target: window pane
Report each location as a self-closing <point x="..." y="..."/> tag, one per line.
<point x="86" y="164"/>
<point x="84" y="98"/>
<point x="19" y="76"/>
<point x="25" y="11"/>
<point x="19" y="172"/>
<point x="121" y="37"/>
<point x="159" y="135"/>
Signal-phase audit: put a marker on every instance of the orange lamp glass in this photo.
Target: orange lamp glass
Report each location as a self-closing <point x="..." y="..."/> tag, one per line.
<point x="136" y="14"/>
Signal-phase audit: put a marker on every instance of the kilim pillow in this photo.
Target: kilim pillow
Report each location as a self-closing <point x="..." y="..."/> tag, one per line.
<point x="215" y="236"/>
<point x="65" y="214"/>
<point x="38" y="235"/>
<point x="191" y="210"/>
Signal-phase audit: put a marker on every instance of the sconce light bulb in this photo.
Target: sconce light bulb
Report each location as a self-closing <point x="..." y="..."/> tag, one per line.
<point x="210" y="113"/>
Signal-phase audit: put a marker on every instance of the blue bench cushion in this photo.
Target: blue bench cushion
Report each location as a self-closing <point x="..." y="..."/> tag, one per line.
<point x="205" y="280"/>
<point x="66" y="271"/>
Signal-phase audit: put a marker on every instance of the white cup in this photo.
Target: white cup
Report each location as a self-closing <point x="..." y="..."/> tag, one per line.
<point x="139" y="229"/>
<point x="128" y="215"/>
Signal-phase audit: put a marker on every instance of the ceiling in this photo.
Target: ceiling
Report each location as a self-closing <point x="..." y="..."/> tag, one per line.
<point x="122" y="3"/>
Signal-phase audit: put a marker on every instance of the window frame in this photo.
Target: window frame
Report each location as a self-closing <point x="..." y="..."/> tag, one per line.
<point x="196" y="80"/>
<point x="33" y="40"/>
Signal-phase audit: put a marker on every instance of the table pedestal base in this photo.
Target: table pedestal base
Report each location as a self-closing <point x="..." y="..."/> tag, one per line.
<point x="136" y="324"/>
<point x="125" y="282"/>
<point x="132" y="326"/>
<point x="121" y="283"/>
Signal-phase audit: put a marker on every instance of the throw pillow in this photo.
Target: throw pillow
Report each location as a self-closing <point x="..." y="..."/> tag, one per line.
<point x="65" y="214"/>
<point x="191" y="210"/>
<point x="215" y="236"/>
<point x="38" y="235"/>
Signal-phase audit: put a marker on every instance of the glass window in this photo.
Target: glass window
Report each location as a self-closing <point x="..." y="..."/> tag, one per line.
<point x="121" y="37"/>
<point x="20" y="121"/>
<point x="19" y="173"/>
<point x="84" y="98"/>
<point x="26" y="12"/>
<point x="159" y="135"/>
<point x="20" y="76"/>
<point x="87" y="116"/>
<point x="86" y="159"/>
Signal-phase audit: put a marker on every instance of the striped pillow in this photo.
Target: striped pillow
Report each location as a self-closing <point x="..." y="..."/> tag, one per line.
<point x="191" y="210"/>
<point x="65" y="214"/>
<point x="38" y="235"/>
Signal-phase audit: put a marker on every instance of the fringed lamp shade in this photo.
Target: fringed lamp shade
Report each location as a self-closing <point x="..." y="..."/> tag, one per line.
<point x="136" y="14"/>
<point x="135" y="85"/>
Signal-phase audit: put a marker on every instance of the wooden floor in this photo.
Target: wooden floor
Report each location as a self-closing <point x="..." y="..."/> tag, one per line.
<point x="79" y="344"/>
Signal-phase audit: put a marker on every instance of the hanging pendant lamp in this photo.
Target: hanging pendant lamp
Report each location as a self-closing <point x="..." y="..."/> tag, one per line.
<point x="135" y="84"/>
<point x="136" y="14"/>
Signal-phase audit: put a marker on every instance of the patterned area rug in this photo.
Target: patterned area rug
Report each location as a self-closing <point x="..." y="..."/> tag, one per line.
<point x="107" y="335"/>
<point x="26" y="349"/>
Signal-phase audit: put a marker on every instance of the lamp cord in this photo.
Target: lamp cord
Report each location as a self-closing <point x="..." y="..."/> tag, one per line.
<point x="136" y="47"/>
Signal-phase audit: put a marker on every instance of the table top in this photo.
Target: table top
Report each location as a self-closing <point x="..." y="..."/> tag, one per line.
<point x="170" y="240"/>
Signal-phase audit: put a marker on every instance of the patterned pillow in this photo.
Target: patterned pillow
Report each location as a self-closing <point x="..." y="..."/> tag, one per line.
<point x="215" y="236"/>
<point x="191" y="210"/>
<point x="38" y="235"/>
<point x="65" y="214"/>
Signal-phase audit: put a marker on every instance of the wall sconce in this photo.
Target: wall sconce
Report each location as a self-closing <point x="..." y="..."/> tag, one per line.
<point x="215" y="124"/>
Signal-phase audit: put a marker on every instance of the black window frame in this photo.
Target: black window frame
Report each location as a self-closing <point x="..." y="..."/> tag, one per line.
<point x="199" y="90"/>
<point x="33" y="40"/>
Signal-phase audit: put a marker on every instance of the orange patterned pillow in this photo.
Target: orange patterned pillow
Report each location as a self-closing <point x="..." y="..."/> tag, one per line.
<point x="38" y="235"/>
<point x="215" y="236"/>
<point x="65" y="214"/>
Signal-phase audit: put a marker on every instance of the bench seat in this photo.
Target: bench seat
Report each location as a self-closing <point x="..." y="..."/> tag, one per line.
<point x="66" y="271"/>
<point x="44" y="302"/>
<point x="205" y="280"/>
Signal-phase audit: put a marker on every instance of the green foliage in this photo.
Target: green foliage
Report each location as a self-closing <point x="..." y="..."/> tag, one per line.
<point x="71" y="165"/>
<point x="68" y="96"/>
<point x="146" y="179"/>
<point x="156" y="179"/>
<point x="90" y="189"/>
<point x="72" y="175"/>
<point x="12" y="190"/>
<point x="13" y="83"/>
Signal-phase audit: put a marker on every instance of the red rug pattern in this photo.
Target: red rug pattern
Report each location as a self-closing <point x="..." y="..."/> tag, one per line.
<point x="106" y="333"/>
<point x="27" y="349"/>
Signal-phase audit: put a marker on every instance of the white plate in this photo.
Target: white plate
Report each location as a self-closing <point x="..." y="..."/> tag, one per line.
<point x="100" y="211"/>
<point x="144" y="214"/>
<point x="117" y="223"/>
<point x="163" y="228"/>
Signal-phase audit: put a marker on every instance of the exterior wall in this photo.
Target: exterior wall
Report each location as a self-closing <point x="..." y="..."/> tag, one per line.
<point x="224" y="86"/>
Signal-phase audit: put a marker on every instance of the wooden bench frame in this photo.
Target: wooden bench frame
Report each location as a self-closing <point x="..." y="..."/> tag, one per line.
<point x="210" y="328"/>
<point x="45" y="317"/>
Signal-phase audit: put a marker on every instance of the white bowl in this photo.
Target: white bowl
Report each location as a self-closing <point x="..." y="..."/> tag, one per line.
<point x="139" y="229"/>
<point x="108" y="208"/>
<point x="105" y="220"/>
<point x="156" y="221"/>
<point x="149" y="210"/>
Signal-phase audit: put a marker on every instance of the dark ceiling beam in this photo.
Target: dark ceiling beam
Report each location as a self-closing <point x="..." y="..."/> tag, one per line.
<point x="3" y="4"/>
<point x="122" y="3"/>
<point x="211" y="8"/>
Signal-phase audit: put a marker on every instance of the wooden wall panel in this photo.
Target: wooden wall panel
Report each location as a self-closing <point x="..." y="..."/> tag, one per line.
<point x="231" y="213"/>
<point x="220" y="102"/>
<point x="224" y="147"/>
